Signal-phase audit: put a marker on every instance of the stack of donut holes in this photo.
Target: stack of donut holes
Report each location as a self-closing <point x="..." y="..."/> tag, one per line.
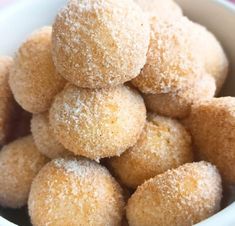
<point x="125" y="128"/>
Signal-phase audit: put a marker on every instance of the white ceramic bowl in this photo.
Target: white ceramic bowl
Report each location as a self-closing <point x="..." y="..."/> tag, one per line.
<point x="21" y="18"/>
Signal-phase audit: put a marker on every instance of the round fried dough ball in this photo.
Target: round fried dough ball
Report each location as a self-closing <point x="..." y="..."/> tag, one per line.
<point x="178" y="197"/>
<point x="161" y="9"/>
<point x="7" y="103"/>
<point x="100" y="43"/>
<point x="97" y="123"/>
<point x="20" y="161"/>
<point x="212" y="54"/>
<point x="171" y="60"/>
<point x="33" y="80"/>
<point x="44" y="137"/>
<point x="71" y="192"/>
<point x="164" y="144"/>
<point x="178" y="104"/>
<point x="5" y="66"/>
<point x="212" y="124"/>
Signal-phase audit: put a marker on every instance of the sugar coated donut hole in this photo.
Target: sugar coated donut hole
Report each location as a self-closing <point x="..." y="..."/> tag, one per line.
<point x="178" y="104"/>
<point x="163" y="144"/>
<point x="212" y="54"/>
<point x="44" y="137"/>
<point x="178" y="197"/>
<point x="5" y="66"/>
<point x="160" y="9"/>
<point x="20" y="161"/>
<point x="212" y="124"/>
<point x="97" y="123"/>
<point x="71" y="192"/>
<point x="34" y="80"/>
<point x="99" y="43"/>
<point x="7" y="103"/>
<point x="171" y="60"/>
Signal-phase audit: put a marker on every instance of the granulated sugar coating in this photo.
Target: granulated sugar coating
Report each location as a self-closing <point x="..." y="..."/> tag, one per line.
<point x="44" y="137"/>
<point x="7" y="103"/>
<point x="164" y="144"/>
<point x="179" y="197"/>
<point x="33" y="80"/>
<point x="178" y="104"/>
<point x="212" y="54"/>
<point x="171" y="59"/>
<point x="71" y="192"/>
<point x="5" y="66"/>
<point x="212" y="125"/>
<point x="20" y="161"/>
<point x="100" y="43"/>
<point x="98" y="123"/>
<point x="160" y="9"/>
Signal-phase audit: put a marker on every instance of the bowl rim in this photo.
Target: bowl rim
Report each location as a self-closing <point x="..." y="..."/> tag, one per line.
<point x="6" y="222"/>
<point x="13" y="7"/>
<point x="226" y="3"/>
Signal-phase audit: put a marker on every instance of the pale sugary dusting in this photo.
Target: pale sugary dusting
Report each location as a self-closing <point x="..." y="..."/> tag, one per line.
<point x="33" y="78"/>
<point x="44" y="137"/>
<point x="171" y="58"/>
<point x="212" y="124"/>
<point x="7" y="103"/>
<point x="20" y="161"/>
<point x="163" y="144"/>
<point x="5" y="66"/>
<point x="162" y="9"/>
<point x="100" y="43"/>
<point x="98" y="123"/>
<point x="178" y="104"/>
<point x="184" y="196"/>
<point x="212" y="54"/>
<point x="75" y="192"/>
<point x="79" y="168"/>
